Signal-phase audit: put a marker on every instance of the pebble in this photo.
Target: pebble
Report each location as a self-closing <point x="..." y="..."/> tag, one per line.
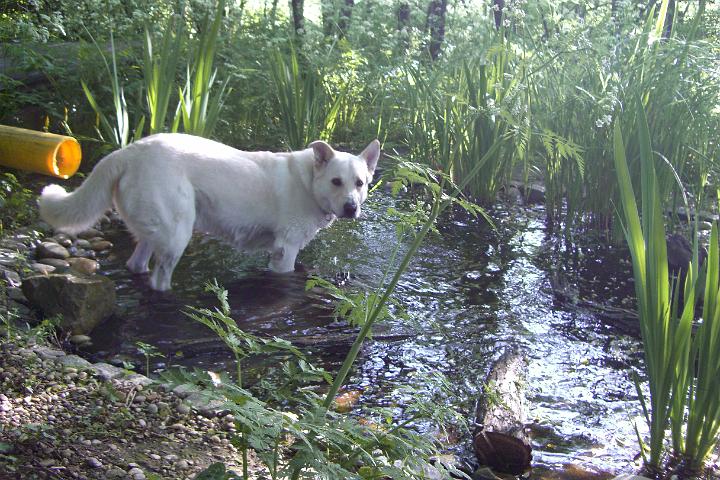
<point x="51" y="250"/>
<point x="155" y="456"/>
<point x="47" y="462"/>
<point x="142" y="423"/>
<point x="182" y="464"/>
<point x="136" y="473"/>
<point x="89" y="233"/>
<point x="62" y="239"/>
<point x="67" y="453"/>
<point x="152" y="409"/>
<point x="183" y="409"/>
<point x="42" y="268"/>
<point x="101" y="245"/>
<point x="94" y="462"/>
<point x="82" y="243"/>
<point x="83" y="265"/>
<point x="80" y="339"/>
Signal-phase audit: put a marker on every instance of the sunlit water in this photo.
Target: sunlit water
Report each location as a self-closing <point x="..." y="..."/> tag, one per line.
<point x="470" y="293"/>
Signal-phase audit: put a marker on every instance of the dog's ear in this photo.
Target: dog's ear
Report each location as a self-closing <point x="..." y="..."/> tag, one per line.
<point x="371" y="155"/>
<point x="323" y="153"/>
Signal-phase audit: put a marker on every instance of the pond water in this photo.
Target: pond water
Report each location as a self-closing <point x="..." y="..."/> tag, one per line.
<point x="470" y="293"/>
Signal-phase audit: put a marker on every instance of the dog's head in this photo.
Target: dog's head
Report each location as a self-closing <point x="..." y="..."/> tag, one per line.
<point x="340" y="180"/>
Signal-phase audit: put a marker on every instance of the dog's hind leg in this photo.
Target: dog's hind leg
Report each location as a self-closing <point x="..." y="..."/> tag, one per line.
<point x="140" y="260"/>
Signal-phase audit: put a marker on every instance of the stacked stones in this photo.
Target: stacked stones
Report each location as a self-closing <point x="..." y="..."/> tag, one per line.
<point x="61" y="252"/>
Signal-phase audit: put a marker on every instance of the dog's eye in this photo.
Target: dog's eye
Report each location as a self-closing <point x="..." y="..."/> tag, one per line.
<point x="337" y="182"/>
<point x="359" y="183"/>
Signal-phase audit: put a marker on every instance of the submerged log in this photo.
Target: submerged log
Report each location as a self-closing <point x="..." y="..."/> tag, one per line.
<point x="500" y="440"/>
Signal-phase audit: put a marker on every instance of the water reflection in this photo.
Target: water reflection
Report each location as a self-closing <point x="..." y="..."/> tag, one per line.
<point x="470" y="293"/>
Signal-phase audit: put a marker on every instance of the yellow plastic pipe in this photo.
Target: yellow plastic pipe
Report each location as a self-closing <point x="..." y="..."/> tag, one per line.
<point x="39" y="152"/>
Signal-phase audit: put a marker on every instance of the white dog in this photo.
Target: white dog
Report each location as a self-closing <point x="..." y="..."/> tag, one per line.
<point x="167" y="185"/>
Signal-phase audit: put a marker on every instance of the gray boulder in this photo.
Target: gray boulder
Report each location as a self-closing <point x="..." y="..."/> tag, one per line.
<point x="82" y="301"/>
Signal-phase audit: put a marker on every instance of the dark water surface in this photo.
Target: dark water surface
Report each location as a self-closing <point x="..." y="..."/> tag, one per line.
<point x="470" y="293"/>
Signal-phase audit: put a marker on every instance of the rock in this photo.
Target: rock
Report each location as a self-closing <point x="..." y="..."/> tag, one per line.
<point x="47" y="353"/>
<point x="83" y="265"/>
<point x="107" y="372"/>
<point x="206" y="406"/>
<point x="51" y="250"/>
<point x="58" y="263"/>
<point x="101" y="245"/>
<point x="42" y="268"/>
<point x="183" y="391"/>
<point x="94" y="462"/>
<point x="82" y="301"/>
<point x="80" y="340"/>
<point x="136" y="473"/>
<point x="89" y="233"/>
<point x="152" y="409"/>
<point x="73" y="361"/>
<point x="137" y="379"/>
<point x="82" y="243"/>
<point x="15" y="294"/>
<point x="62" y="239"/>
<point x="183" y="409"/>
<point x="11" y="277"/>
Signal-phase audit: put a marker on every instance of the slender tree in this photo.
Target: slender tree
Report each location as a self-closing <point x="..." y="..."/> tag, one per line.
<point x="298" y="9"/>
<point x="435" y="25"/>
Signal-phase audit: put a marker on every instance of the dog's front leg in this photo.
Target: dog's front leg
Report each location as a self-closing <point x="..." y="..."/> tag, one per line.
<point x="282" y="258"/>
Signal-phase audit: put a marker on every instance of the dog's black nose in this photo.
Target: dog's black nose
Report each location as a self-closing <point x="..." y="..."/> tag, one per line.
<point x="349" y="209"/>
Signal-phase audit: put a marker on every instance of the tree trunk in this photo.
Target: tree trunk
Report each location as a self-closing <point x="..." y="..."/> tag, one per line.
<point x="327" y="12"/>
<point x="500" y="440"/>
<point x="498" y="6"/>
<point x="344" y="20"/>
<point x="298" y="7"/>
<point x="436" y="26"/>
<point x="669" y="19"/>
<point x="403" y="22"/>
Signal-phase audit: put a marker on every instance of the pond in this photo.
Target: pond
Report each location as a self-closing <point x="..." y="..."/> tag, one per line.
<point x="471" y="292"/>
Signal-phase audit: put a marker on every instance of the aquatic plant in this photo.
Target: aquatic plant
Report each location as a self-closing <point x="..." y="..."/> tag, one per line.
<point x="116" y="131"/>
<point x="159" y="73"/>
<point x="682" y="368"/>
<point x="306" y="111"/>
<point x="199" y="109"/>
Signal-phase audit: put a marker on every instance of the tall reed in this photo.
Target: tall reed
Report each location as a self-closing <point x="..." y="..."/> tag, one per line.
<point x="682" y="368"/>
<point x="199" y="110"/>
<point x="160" y="73"/>
<point x="116" y="129"/>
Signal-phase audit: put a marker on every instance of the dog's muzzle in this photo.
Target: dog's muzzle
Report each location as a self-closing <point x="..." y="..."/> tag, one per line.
<point x="350" y="210"/>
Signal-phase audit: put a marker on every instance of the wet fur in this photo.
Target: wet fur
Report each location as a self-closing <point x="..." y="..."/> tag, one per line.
<point x="166" y="186"/>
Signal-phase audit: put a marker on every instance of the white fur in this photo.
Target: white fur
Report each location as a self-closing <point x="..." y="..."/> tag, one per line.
<point x="167" y="185"/>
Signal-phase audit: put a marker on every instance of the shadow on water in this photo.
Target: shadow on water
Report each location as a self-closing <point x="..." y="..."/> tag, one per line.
<point x="470" y="292"/>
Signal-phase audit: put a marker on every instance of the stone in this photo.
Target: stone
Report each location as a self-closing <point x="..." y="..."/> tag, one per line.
<point x="86" y="266"/>
<point x="58" y="263"/>
<point x="183" y="409"/>
<point x="42" y="268"/>
<point x="84" y="302"/>
<point x="62" y="239"/>
<point x="11" y="277"/>
<point x="82" y="243"/>
<point x="51" y="250"/>
<point x="107" y="372"/>
<point x="101" y="245"/>
<point x="89" y="233"/>
<point x="184" y="390"/>
<point x="206" y="406"/>
<point x="73" y="361"/>
<point x="47" y="353"/>
<point x="137" y="379"/>
<point x="94" y="462"/>
<point x="80" y="339"/>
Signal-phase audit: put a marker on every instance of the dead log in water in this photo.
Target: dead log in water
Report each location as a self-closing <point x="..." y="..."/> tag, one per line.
<point x="500" y="440"/>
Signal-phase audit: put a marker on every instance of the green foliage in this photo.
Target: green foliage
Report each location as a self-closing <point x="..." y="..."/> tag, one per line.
<point x="116" y="129"/>
<point x="15" y="203"/>
<point x="681" y="368"/>
<point x="148" y="352"/>
<point x="159" y="73"/>
<point x="198" y="109"/>
<point x="312" y="441"/>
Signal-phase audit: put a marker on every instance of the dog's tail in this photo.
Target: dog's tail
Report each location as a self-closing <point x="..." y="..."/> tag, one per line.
<point x="79" y="210"/>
